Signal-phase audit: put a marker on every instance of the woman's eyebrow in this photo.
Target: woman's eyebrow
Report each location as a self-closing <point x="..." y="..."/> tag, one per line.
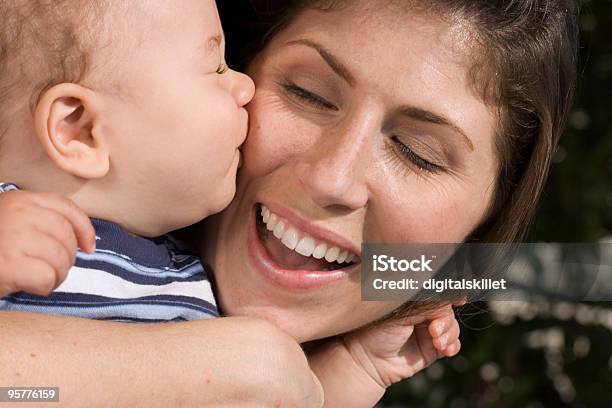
<point x="329" y="58"/>
<point x="412" y="112"/>
<point x="423" y="115"/>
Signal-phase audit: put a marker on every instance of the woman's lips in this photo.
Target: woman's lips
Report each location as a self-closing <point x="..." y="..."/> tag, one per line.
<point x="302" y="277"/>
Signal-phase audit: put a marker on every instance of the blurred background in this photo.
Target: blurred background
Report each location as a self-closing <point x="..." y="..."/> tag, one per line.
<point x="537" y="355"/>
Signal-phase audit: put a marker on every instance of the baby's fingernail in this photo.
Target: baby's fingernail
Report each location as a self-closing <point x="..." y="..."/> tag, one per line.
<point x="443" y="340"/>
<point x="440" y="328"/>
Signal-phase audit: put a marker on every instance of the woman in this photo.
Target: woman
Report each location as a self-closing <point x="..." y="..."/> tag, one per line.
<point x="388" y="138"/>
<point x="374" y="121"/>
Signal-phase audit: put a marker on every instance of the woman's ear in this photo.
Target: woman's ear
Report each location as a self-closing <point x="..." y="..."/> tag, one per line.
<point x="67" y="126"/>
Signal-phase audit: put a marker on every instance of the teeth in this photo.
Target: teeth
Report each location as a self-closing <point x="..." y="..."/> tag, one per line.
<point x="320" y="251"/>
<point x="332" y="254"/>
<point x="302" y="243"/>
<point x="272" y="222"/>
<point x="306" y="246"/>
<point x="290" y="238"/>
<point x="279" y="230"/>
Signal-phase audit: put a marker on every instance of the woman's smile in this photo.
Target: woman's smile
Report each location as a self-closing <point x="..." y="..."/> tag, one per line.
<point x="307" y="239"/>
<point x="296" y="254"/>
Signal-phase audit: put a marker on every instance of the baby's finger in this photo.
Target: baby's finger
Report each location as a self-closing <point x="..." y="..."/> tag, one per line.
<point x="444" y="330"/>
<point x="447" y="338"/>
<point x="53" y="224"/>
<point x="48" y="249"/>
<point x="441" y="325"/>
<point x="452" y="349"/>
<point x="37" y="277"/>
<point x="80" y="222"/>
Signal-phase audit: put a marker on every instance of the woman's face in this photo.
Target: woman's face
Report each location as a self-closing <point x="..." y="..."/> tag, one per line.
<point x="364" y="128"/>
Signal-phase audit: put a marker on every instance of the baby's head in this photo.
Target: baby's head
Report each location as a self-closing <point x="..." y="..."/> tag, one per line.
<point x="126" y="107"/>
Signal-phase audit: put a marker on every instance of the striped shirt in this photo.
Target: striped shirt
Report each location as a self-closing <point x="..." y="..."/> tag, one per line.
<point x="128" y="278"/>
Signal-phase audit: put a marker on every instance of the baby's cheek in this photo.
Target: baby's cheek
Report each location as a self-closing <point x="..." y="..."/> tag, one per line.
<point x="226" y="119"/>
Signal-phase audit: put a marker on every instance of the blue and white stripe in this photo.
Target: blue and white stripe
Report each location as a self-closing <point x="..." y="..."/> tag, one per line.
<point x="107" y="286"/>
<point x="128" y="278"/>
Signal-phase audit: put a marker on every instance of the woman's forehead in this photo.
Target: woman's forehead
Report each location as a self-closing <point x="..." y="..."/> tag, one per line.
<point x="399" y="42"/>
<point x="402" y="26"/>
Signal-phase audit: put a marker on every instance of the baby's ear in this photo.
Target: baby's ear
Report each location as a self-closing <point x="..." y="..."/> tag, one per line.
<point x="66" y="120"/>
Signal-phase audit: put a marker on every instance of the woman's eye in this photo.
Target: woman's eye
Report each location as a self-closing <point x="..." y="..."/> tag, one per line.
<point x="222" y="68"/>
<point x="309" y="98"/>
<point x="414" y="158"/>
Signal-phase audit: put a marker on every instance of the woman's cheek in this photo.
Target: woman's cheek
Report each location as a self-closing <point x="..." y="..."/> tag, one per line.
<point x="275" y="141"/>
<point x="416" y="216"/>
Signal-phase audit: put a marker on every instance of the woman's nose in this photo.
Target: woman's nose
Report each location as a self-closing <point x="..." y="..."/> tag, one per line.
<point x="243" y="88"/>
<point x="334" y="176"/>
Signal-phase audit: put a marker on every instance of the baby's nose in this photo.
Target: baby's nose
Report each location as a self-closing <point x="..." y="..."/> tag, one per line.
<point x="244" y="88"/>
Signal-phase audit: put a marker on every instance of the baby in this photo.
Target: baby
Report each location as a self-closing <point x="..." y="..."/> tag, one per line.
<point x="139" y="123"/>
<point x="127" y="111"/>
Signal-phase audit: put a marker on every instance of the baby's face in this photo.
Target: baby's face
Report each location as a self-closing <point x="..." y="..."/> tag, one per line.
<point x="175" y="117"/>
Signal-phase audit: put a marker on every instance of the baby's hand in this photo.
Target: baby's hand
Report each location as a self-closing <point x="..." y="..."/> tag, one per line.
<point x="392" y="351"/>
<point x="39" y="234"/>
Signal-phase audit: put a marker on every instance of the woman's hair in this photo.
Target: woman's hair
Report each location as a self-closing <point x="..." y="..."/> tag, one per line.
<point x="525" y="68"/>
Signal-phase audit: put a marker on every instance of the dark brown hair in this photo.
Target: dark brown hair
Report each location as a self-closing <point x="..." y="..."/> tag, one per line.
<point x="526" y="69"/>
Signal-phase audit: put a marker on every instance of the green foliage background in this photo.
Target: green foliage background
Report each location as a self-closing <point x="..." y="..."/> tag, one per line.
<point x="545" y="355"/>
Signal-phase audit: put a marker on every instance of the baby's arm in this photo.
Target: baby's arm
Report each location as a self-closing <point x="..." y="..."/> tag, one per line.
<point x="39" y="234"/>
<point x="356" y="369"/>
